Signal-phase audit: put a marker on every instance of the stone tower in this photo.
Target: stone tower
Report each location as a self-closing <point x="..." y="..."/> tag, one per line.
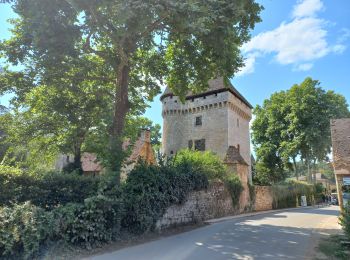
<point x="213" y="120"/>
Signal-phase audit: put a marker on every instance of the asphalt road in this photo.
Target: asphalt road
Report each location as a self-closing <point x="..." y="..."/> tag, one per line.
<point x="291" y="234"/>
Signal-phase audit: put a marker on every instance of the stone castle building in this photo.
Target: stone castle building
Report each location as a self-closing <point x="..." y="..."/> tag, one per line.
<point x="214" y="120"/>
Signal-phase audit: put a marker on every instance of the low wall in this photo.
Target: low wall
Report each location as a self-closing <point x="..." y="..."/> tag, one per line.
<point x="214" y="202"/>
<point x="263" y="198"/>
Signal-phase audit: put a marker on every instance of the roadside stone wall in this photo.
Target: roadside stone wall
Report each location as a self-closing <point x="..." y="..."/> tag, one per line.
<point x="341" y="145"/>
<point x="263" y="198"/>
<point x="214" y="202"/>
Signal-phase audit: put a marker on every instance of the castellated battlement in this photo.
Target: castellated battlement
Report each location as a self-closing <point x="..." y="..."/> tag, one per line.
<point x="173" y="106"/>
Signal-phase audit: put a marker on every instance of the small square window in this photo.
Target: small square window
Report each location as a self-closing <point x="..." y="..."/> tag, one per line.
<point x="198" y="120"/>
<point x="199" y="145"/>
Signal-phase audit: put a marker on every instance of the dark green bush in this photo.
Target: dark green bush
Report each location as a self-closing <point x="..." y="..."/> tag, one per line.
<point x="23" y="228"/>
<point x="234" y="185"/>
<point x="90" y="224"/>
<point x="149" y="190"/>
<point x="344" y="220"/>
<point x="45" y="190"/>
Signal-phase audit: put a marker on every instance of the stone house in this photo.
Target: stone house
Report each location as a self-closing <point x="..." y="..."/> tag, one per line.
<point x="340" y="129"/>
<point x="141" y="149"/>
<point x="216" y="120"/>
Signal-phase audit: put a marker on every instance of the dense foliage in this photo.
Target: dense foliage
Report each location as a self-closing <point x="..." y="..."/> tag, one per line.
<point x="23" y="228"/>
<point x="288" y="194"/>
<point x="47" y="190"/>
<point x="234" y="185"/>
<point x="131" y="46"/>
<point x="344" y="220"/>
<point x="87" y="212"/>
<point x="149" y="190"/>
<point x="294" y="124"/>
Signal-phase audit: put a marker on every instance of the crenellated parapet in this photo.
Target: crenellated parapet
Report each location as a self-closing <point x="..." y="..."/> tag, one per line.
<point x="201" y="108"/>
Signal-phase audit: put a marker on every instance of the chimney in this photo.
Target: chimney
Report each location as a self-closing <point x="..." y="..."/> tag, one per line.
<point x="145" y="135"/>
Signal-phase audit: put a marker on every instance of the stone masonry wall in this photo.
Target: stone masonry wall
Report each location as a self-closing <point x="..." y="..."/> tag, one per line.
<point x="263" y="198"/>
<point x="341" y="145"/>
<point x="214" y="202"/>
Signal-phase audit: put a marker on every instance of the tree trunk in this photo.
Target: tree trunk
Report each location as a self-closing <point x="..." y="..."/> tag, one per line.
<point x="77" y="157"/>
<point x="121" y="108"/>
<point x="295" y="168"/>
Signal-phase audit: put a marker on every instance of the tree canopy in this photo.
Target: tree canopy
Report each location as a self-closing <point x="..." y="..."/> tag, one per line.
<point x="143" y="44"/>
<point x="295" y="125"/>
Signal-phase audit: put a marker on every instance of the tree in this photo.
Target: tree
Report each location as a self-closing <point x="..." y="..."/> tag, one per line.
<point x="144" y="43"/>
<point x="295" y="124"/>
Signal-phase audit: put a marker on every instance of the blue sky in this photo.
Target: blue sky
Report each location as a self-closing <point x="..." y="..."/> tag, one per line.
<point x="296" y="39"/>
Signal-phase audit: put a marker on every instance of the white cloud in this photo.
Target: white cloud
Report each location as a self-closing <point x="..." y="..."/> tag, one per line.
<point x="249" y="64"/>
<point x="298" y="42"/>
<point x="307" y="8"/>
<point x="304" y="67"/>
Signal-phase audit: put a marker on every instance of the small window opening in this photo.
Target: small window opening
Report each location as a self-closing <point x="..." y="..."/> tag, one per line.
<point x="204" y="97"/>
<point x="198" y="120"/>
<point x="171" y="152"/>
<point x="237" y="122"/>
<point x="192" y="99"/>
<point x="199" y="145"/>
<point x="175" y="101"/>
<point x="190" y="144"/>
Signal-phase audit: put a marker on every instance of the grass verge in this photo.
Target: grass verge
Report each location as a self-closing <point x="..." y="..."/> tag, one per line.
<point x="334" y="247"/>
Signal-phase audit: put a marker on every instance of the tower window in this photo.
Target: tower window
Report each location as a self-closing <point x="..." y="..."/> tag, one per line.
<point x="199" y="145"/>
<point x="190" y="144"/>
<point x="171" y="152"/>
<point x="198" y="120"/>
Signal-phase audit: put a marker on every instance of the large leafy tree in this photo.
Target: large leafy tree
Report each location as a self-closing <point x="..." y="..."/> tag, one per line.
<point x="144" y="43"/>
<point x="295" y="124"/>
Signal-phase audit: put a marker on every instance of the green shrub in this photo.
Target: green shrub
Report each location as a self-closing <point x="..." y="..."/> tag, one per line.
<point x="234" y="185"/>
<point x="23" y="228"/>
<point x="344" y="220"/>
<point x="150" y="189"/>
<point x="45" y="190"/>
<point x="288" y="194"/>
<point x="90" y="224"/>
<point x="206" y="163"/>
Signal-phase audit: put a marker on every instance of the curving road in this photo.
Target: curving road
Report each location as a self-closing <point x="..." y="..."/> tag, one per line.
<point x="290" y="234"/>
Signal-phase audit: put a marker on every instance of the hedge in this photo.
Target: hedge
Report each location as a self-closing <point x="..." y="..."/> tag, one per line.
<point x="87" y="211"/>
<point x="45" y="190"/>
